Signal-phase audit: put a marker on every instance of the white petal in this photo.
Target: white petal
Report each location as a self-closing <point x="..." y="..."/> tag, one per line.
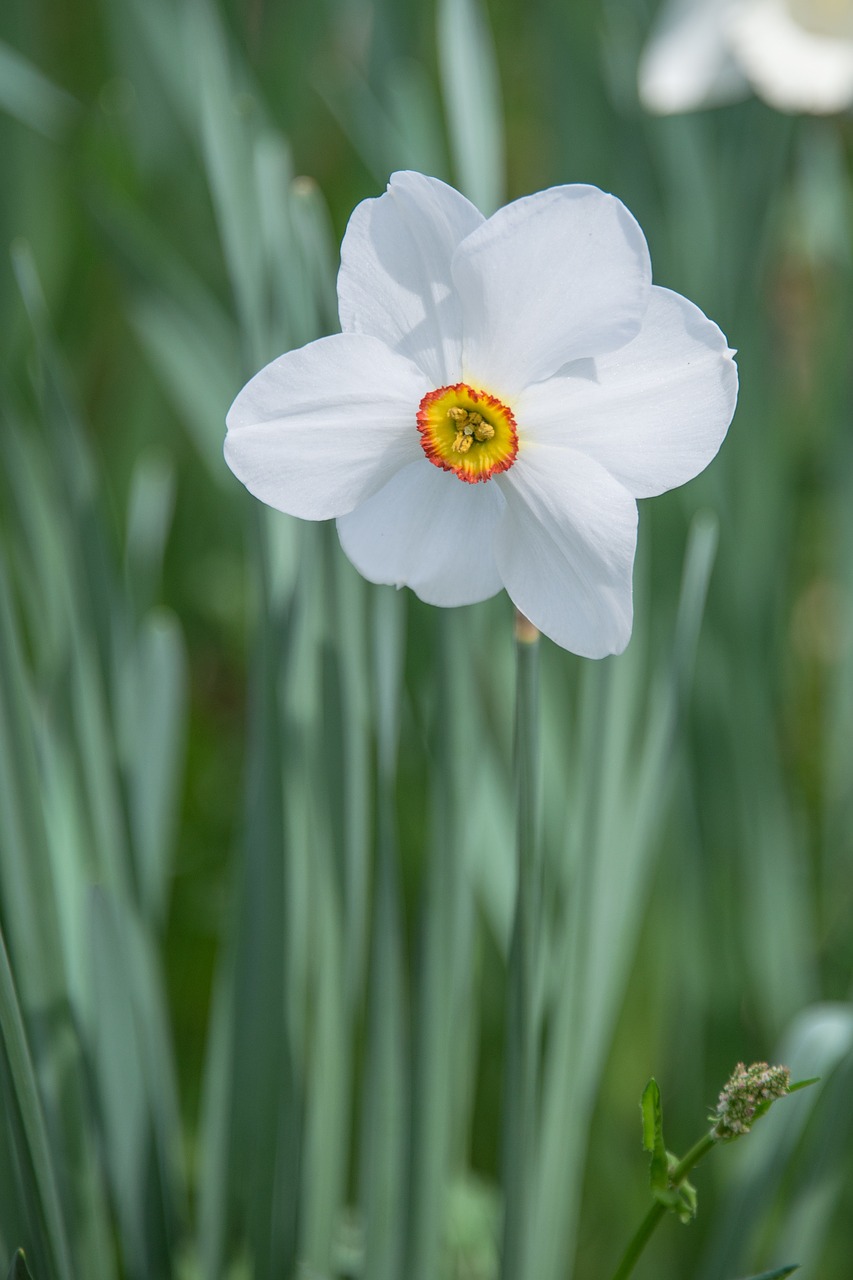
<point x="653" y="413"/>
<point x="790" y="67"/>
<point x="565" y="549"/>
<point x="320" y="429"/>
<point x="687" y="62"/>
<point x="395" y="282"/>
<point x="429" y="531"/>
<point x="550" y="278"/>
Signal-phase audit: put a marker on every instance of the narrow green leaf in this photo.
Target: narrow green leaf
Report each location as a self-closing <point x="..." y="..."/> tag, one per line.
<point x="32" y="1116"/>
<point x="326" y="1125"/>
<point x="200" y="375"/>
<point x="28" y="95"/>
<point x="416" y="113"/>
<point x="66" y="434"/>
<point x="227" y="150"/>
<point x="315" y="243"/>
<point x="29" y="903"/>
<point x="474" y="118"/>
<point x="19" y="1269"/>
<point x="651" y="1113"/>
<point x="119" y="1071"/>
<point x="653" y="1136"/>
<point x="803" y="1084"/>
<point x="155" y="32"/>
<point x="523" y="1024"/>
<point x="293" y="305"/>
<point x="385" y="1096"/>
<point x="149" y="516"/>
<point x="616" y="801"/>
<point x="698" y="563"/>
<point x="152" y="684"/>
<point x="779" y="1274"/>
<point x="365" y="120"/>
<point x="215" y="1128"/>
<point x="444" y="965"/>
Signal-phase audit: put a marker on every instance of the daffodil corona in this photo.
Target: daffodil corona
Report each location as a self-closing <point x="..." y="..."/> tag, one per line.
<point x="467" y="432"/>
<point x="508" y="384"/>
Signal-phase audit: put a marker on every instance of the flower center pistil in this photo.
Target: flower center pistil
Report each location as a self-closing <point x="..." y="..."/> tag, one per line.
<point x="467" y="431"/>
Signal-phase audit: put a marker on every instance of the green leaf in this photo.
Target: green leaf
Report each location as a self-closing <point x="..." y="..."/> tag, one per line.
<point x="19" y="1269"/>
<point x="30" y="97"/>
<point x="474" y="119"/>
<point x="25" y="1082"/>
<point x="803" y="1084"/>
<point x="779" y="1274"/>
<point x="653" y="1137"/>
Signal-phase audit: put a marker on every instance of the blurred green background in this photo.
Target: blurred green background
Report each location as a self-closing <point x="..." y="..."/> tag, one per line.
<point x="256" y="820"/>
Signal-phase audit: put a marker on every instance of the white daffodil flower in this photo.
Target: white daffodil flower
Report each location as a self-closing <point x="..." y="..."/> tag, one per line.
<point x="795" y="54"/>
<point x="502" y="392"/>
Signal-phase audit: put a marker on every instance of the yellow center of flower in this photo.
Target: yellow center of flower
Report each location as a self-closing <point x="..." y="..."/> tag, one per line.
<point x="468" y="432"/>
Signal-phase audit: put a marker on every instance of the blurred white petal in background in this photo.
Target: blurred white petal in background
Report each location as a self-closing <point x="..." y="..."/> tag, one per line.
<point x="795" y="54"/>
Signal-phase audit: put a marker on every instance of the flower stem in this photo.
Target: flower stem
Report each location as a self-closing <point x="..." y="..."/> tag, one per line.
<point x="647" y="1227"/>
<point x="522" y="1056"/>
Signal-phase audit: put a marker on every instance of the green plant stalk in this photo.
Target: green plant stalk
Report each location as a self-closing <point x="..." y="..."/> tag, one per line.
<point x="649" y="1224"/>
<point x="522" y="1057"/>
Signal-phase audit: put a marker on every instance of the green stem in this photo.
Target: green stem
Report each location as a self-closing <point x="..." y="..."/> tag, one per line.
<point x="522" y="1057"/>
<point x="647" y="1227"/>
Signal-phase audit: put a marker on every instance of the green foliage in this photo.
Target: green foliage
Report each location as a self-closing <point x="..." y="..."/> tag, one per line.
<point x="653" y="1137"/>
<point x="778" y="1274"/>
<point x="257" y="841"/>
<point x="18" y="1269"/>
<point x="677" y="1196"/>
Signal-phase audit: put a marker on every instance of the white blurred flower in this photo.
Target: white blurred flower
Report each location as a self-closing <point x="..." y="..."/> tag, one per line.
<point x="795" y="54"/>
<point x="502" y="392"/>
